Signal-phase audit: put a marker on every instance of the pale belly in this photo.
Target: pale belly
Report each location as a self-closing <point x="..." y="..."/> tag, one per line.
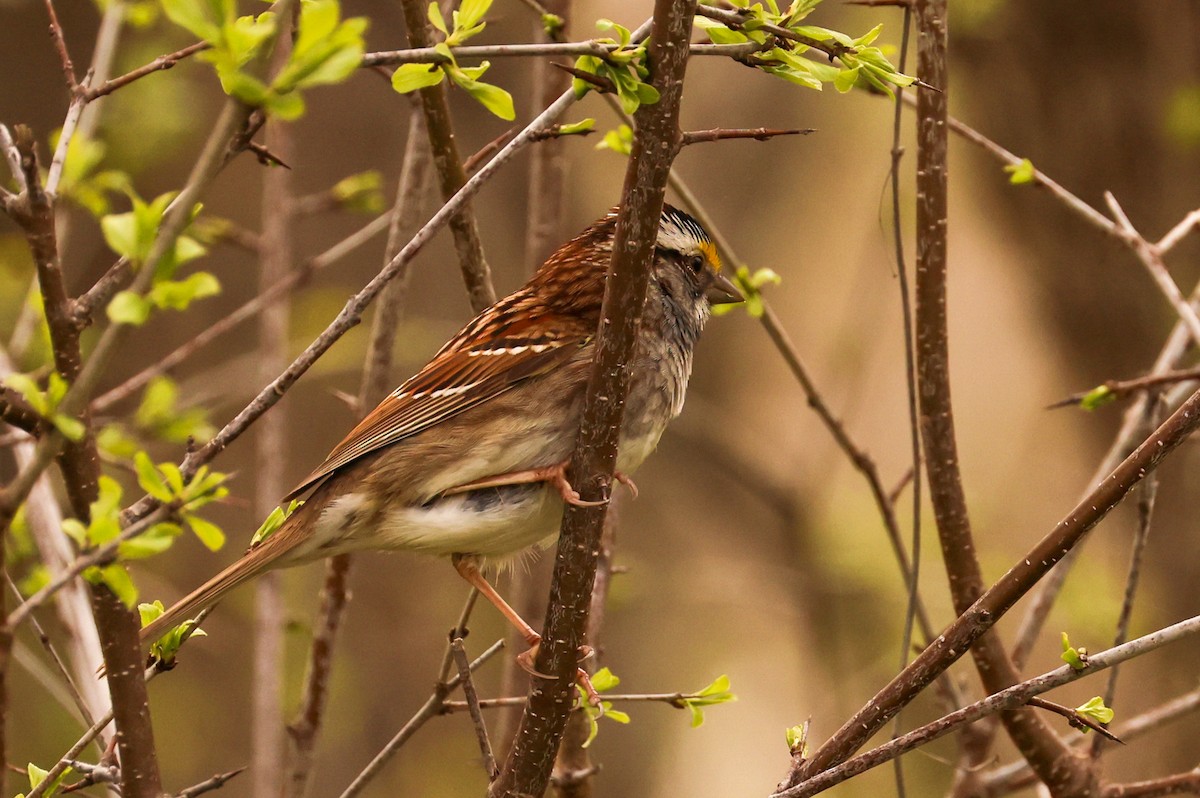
<point x="494" y="523"/>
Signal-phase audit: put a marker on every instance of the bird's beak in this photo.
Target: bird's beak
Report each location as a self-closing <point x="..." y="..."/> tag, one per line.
<point x="722" y="291"/>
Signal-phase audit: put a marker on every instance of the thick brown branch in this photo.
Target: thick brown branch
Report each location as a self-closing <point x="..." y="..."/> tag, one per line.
<point x="1037" y="742"/>
<point x="527" y="770"/>
<point x="14" y="410"/>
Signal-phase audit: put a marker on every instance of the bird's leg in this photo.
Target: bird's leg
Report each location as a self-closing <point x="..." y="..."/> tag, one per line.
<point x="556" y="475"/>
<point x="468" y="569"/>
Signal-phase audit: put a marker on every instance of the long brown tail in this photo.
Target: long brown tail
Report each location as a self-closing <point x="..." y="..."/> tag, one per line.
<point x="259" y="559"/>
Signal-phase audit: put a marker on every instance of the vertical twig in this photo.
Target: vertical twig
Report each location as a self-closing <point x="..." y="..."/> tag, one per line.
<point x="1035" y="739"/>
<point x="276" y="261"/>
<point x="914" y="594"/>
<point x="375" y="385"/>
<point x="472" y="698"/>
<point x="527" y="769"/>
<point x="451" y="175"/>
<point x="1146" y="498"/>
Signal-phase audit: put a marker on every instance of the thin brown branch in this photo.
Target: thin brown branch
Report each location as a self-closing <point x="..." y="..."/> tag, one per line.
<point x="1177" y="233"/>
<point x="430" y="709"/>
<point x="302" y="731"/>
<point x="1076" y="719"/>
<point x="1147" y="494"/>
<point x="77" y="698"/>
<point x="957" y="638"/>
<point x="735" y="18"/>
<point x="60" y="45"/>
<point x="1032" y="736"/>
<point x="264" y="155"/>
<point x="472" y="701"/>
<point x="84" y="307"/>
<point x="1010" y="698"/>
<point x="598" y="82"/>
<point x="208" y="785"/>
<point x="449" y="167"/>
<point x="1119" y="389"/>
<point x="1131" y="431"/>
<point x="157" y="65"/>
<point x="1178" y="784"/>
<point x="756" y="133"/>
<point x="1017" y="775"/>
<point x="527" y="769"/>
<point x="1152" y="260"/>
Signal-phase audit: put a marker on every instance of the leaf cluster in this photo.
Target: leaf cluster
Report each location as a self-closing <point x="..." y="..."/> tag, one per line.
<point x="326" y="49"/>
<point x="132" y="235"/>
<point x="467" y="21"/>
<point x="624" y="69"/>
<point x="863" y="65"/>
<point x="45" y="401"/>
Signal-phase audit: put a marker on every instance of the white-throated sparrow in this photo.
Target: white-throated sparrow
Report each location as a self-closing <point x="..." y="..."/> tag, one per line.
<point x="466" y="458"/>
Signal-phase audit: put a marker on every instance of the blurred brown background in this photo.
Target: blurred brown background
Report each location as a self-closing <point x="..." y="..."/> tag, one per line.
<point x="802" y="609"/>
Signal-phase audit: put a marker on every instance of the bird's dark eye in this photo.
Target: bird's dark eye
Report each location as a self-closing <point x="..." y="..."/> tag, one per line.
<point x="696" y="263"/>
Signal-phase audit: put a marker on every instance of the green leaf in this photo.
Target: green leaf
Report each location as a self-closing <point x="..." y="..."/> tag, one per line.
<point x="149" y="612"/>
<point x="274" y="521"/>
<point x="120" y="233"/>
<point x="36" y="775"/>
<point x="470" y="12"/>
<point x="1097" y="397"/>
<point x="846" y="79"/>
<point x="71" y="428"/>
<point x="1076" y="658"/>
<point x="28" y="388"/>
<point x="115" y="442"/>
<point x="1021" y="173"/>
<point x="619" y="140"/>
<point x="151" y="479"/>
<point x="203" y="18"/>
<point x="128" y="307"/>
<point x="1095" y="709"/>
<point x="436" y="19"/>
<point x="615" y="714"/>
<point x="797" y="740"/>
<point x="116" y="579"/>
<point x="179" y="294"/>
<point x="361" y="192"/>
<point x="154" y="540"/>
<point x="410" y="77"/>
<point x="76" y="531"/>
<point x="493" y="98"/>
<point x="604" y="679"/>
<point x="209" y="533"/>
<point x="579" y="128"/>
